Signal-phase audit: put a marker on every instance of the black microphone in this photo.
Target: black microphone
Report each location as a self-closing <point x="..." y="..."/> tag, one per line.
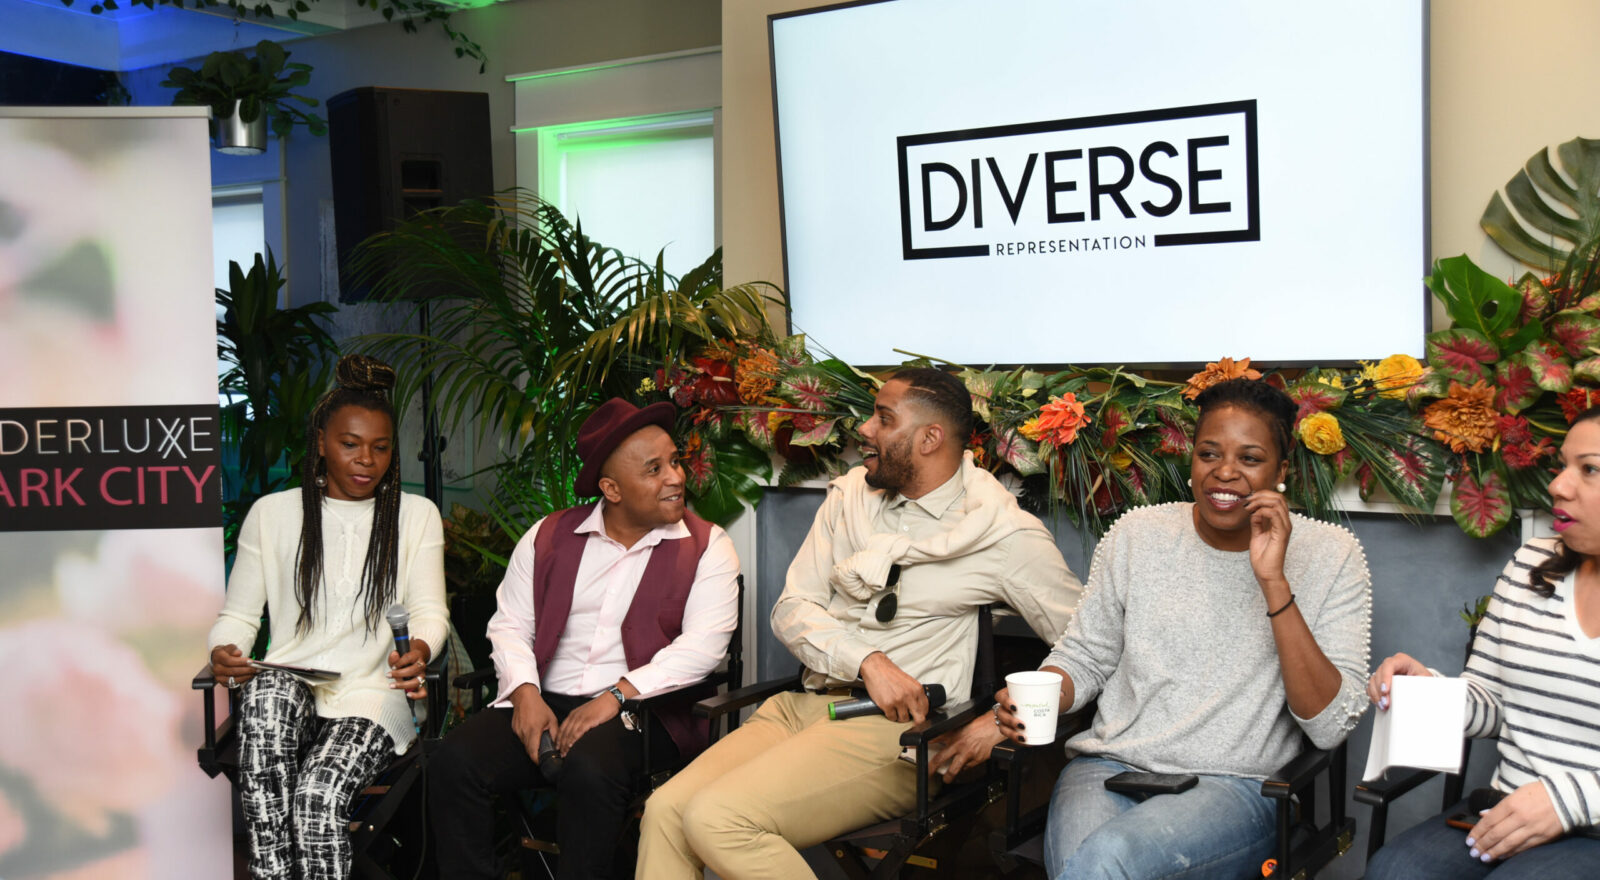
<point x="843" y="709"/>
<point x="398" y="617"/>
<point x="550" y="762"/>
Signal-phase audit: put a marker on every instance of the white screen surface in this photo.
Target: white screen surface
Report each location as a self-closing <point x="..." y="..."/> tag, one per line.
<point x="1271" y="156"/>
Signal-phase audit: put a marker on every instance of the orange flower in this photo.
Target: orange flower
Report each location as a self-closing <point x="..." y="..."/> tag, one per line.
<point x="1060" y="420"/>
<point x="1465" y="419"/>
<point x="756" y="374"/>
<point x="1221" y="371"/>
<point x="1030" y="429"/>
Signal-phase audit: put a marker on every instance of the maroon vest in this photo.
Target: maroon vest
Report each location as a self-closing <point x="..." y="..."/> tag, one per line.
<point x="653" y="620"/>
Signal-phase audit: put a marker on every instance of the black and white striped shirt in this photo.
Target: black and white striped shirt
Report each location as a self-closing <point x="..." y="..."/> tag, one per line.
<point x="1533" y="680"/>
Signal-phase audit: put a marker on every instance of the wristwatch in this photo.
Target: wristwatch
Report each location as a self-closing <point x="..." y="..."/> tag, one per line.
<point x="617" y="692"/>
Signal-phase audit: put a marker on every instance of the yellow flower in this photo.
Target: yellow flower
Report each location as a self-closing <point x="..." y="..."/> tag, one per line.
<point x="1320" y="432"/>
<point x="1030" y="429"/>
<point x="647" y="385"/>
<point x="1393" y="375"/>
<point x="1331" y="380"/>
<point x="776" y="420"/>
<point x="1466" y="419"/>
<point x="1121" y="459"/>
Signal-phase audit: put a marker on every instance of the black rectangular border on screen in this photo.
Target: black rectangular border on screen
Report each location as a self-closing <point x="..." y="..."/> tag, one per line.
<point x="1247" y="108"/>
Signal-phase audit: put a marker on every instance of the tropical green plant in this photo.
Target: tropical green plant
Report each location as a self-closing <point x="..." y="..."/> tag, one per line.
<point x="1539" y="192"/>
<point x="278" y="362"/>
<point x="532" y="324"/>
<point x="259" y="84"/>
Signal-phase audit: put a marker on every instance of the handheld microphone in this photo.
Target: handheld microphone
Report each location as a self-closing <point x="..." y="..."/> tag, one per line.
<point x="550" y="761"/>
<point x="398" y="618"/>
<point x="839" y="711"/>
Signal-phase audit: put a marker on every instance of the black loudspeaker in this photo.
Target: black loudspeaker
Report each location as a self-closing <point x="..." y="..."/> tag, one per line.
<point x="399" y="151"/>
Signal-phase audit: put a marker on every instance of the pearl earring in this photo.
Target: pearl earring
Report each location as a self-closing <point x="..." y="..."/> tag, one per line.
<point x="1282" y="488"/>
<point x="321" y="481"/>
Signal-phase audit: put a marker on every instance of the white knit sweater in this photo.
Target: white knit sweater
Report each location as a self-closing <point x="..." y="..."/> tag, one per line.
<point x="338" y="639"/>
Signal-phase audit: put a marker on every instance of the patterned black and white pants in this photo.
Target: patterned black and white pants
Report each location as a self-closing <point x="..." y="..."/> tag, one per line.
<point x="297" y="776"/>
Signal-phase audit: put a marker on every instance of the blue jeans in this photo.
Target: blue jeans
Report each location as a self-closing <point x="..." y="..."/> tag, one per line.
<point x="1435" y="851"/>
<point x="1222" y="827"/>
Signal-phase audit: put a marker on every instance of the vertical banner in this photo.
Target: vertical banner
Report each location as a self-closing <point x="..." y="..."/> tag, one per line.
<point x="111" y="565"/>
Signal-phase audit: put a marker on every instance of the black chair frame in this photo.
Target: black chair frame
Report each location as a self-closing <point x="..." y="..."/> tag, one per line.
<point x="1304" y="845"/>
<point x="893" y="843"/>
<point x="376" y="805"/>
<point x="481" y="683"/>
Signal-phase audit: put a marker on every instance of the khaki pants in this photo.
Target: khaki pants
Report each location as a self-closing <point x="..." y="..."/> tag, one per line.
<point x="787" y="779"/>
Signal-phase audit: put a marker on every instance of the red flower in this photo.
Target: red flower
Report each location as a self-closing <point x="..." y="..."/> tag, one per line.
<point x="1514" y="429"/>
<point x="715" y="385"/>
<point x="1574" y="402"/>
<point x="1526" y="455"/>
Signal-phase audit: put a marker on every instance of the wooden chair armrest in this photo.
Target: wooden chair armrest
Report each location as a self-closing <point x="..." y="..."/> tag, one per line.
<point x="664" y="697"/>
<point x="734" y="700"/>
<point x="1293" y="777"/>
<point x="203" y="679"/>
<point x="1383" y="791"/>
<point x="942" y="721"/>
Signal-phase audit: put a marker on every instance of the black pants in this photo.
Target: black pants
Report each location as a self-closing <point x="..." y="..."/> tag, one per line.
<point x="483" y="757"/>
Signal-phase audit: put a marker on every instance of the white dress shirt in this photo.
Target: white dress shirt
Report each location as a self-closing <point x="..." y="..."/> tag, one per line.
<point x="589" y="657"/>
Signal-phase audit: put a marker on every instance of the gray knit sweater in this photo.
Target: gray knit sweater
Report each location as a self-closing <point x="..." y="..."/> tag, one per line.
<point x="1172" y="637"/>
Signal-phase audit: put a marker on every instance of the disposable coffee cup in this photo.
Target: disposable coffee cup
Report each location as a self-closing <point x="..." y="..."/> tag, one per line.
<point x="1037" y="696"/>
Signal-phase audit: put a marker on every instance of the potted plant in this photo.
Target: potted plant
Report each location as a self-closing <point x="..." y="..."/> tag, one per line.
<point x="247" y="94"/>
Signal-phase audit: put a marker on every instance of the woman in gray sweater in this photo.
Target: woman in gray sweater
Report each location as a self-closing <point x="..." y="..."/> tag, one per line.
<point x="1216" y="635"/>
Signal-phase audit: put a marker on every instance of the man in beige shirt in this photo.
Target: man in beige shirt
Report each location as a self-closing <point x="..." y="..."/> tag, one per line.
<point x="883" y="594"/>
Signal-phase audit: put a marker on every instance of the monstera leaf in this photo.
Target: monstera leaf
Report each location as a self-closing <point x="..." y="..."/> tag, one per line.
<point x="1526" y="235"/>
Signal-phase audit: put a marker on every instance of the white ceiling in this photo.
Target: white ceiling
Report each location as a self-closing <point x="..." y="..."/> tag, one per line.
<point x="134" y="37"/>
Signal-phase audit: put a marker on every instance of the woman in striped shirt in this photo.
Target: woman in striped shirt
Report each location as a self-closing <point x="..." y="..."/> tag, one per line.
<point x="1533" y="680"/>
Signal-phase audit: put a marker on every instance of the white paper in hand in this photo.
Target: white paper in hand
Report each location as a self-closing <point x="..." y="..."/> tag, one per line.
<point x="1422" y="727"/>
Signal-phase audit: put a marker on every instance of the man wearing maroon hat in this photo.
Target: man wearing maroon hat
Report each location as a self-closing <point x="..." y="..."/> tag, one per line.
<point x="601" y="602"/>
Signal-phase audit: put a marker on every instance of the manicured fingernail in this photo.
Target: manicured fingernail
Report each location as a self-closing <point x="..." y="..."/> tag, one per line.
<point x="1475" y="852"/>
<point x="1471" y="842"/>
<point x="1011" y="708"/>
<point x="1486" y="857"/>
<point x="1383" y="702"/>
<point x="1383" y="688"/>
<point x="1021" y="726"/>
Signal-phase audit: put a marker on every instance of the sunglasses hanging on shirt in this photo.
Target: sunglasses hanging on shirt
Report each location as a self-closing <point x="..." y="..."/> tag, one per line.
<point x="890" y="603"/>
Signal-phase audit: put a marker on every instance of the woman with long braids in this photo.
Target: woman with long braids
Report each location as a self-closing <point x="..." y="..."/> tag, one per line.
<point x="326" y="561"/>
<point x="1533" y="681"/>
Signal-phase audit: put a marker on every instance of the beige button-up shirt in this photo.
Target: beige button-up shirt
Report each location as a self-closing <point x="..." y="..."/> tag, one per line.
<point x="933" y="635"/>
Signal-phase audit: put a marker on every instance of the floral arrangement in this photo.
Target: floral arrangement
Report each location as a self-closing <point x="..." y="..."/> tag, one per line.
<point x="1484" y="412"/>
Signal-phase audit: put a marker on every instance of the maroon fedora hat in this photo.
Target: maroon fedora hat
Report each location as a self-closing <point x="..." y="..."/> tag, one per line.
<point x="604" y="431"/>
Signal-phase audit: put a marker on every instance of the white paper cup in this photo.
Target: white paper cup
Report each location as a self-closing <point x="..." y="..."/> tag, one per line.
<point x="1037" y="696"/>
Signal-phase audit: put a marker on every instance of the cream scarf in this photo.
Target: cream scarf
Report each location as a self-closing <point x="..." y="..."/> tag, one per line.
<point x="992" y="513"/>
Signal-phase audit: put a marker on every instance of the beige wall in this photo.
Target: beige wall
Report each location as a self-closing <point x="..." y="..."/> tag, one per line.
<point x="1506" y="79"/>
